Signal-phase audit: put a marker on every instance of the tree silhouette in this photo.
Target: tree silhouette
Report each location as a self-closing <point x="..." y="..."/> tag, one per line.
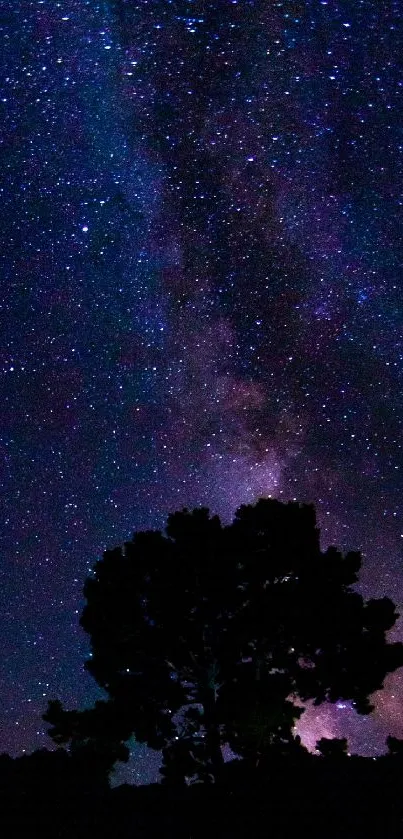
<point x="95" y="736"/>
<point x="332" y="747"/>
<point x="395" y="746"/>
<point x="207" y="634"/>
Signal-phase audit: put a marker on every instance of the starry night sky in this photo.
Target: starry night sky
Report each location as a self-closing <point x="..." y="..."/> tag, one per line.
<point x="201" y="301"/>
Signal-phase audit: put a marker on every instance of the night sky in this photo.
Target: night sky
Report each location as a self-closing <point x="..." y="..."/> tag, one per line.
<point x="200" y="302"/>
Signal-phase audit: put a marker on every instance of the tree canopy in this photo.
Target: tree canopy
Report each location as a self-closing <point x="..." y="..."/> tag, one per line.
<point x="206" y="635"/>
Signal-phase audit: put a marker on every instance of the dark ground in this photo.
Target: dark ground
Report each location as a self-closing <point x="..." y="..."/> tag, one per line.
<point x="47" y="795"/>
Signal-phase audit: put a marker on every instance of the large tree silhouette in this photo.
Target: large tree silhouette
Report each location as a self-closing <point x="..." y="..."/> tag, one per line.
<point x="207" y="634"/>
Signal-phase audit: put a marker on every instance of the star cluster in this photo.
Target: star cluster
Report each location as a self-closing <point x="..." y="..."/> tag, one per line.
<point x="201" y="300"/>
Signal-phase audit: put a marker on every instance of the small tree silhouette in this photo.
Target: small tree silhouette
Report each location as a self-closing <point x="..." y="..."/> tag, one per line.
<point x="334" y="748"/>
<point x="205" y="635"/>
<point x="395" y="746"/>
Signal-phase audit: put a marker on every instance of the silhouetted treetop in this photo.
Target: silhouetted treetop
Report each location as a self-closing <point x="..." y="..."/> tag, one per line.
<point x="395" y="746"/>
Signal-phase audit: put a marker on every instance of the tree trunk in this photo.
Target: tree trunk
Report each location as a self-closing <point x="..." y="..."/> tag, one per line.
<point x="213" y="736"/>
<point x="213" y="739"/>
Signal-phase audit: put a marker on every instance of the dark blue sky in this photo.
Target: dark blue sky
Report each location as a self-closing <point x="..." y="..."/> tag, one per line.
<point x="201" y="299"/>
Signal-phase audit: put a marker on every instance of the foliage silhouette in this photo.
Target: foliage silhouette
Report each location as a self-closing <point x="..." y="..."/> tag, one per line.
<point x="333" y="748"/>
<point x="94" y="735"/>
<point x="209" y="634"/>
<point x="395" y="746"/>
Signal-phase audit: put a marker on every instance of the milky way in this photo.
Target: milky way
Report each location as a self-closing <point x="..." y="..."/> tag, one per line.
<point x="201" y="300"/>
